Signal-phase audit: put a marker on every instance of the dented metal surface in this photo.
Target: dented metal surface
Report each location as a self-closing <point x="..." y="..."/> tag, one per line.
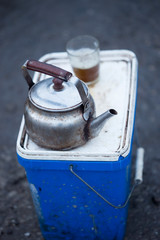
<point x="56" y="130"/>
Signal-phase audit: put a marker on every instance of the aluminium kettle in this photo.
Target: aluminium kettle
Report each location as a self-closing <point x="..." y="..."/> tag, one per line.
<point x="59" y="111"/>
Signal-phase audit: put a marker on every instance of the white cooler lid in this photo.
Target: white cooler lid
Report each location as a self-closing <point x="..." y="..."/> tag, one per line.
<point x="116" y="89"/>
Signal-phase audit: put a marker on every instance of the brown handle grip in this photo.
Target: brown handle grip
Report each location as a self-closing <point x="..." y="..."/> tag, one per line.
<point x="48" y="69"/>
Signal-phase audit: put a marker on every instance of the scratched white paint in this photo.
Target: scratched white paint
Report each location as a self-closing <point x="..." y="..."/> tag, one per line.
<point x="36" y="200"/>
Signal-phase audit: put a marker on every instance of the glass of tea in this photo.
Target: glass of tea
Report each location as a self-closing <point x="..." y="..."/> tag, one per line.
<point x="83" y="52"/>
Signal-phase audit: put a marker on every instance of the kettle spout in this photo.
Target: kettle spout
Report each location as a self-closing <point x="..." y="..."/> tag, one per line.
<point x="97" y="123"/>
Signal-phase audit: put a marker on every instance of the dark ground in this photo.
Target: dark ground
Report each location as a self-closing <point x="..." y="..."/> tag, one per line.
<point x="30" y="29"/>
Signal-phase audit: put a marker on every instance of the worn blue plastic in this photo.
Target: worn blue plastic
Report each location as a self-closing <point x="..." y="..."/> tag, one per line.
<point x="68" y="209"/>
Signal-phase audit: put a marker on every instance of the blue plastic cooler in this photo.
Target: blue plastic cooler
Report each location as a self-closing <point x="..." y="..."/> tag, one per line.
<point x="71" y="189"/>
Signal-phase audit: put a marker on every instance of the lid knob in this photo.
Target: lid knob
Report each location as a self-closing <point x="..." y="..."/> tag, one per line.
<point x="57" y="84"/>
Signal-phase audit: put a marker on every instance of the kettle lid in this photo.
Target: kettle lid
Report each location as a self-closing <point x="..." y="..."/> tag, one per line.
<point x="44" y="96"/>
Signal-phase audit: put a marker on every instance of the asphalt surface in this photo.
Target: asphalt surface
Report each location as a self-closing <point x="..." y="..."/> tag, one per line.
<point x="30" y="29"/>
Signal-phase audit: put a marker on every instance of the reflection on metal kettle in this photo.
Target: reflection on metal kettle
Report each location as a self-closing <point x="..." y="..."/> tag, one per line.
<point x="59" y="111"/>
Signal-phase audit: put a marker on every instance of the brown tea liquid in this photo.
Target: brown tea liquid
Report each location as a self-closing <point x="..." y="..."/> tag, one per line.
<point x="87" y="75"/>
<point x="85" y="64"/>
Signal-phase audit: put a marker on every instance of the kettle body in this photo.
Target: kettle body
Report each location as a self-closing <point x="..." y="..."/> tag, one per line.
<point x="57" y="130"/>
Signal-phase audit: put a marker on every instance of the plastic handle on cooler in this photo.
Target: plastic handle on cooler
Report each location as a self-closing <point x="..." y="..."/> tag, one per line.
<point x="139" y="165"/>
<point x="138" y="179"/>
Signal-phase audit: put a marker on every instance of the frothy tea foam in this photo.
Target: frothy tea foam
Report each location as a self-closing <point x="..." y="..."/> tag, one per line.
<point x="84" y="58"/>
